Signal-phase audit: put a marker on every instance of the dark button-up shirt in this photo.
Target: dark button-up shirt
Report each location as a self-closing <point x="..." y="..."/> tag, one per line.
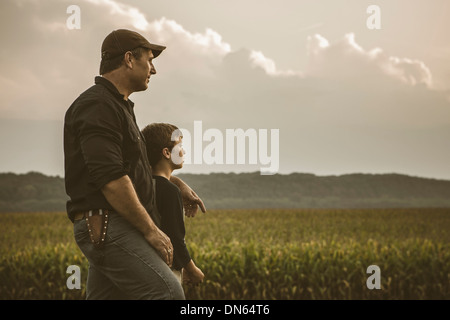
<point x="102" y="143"/>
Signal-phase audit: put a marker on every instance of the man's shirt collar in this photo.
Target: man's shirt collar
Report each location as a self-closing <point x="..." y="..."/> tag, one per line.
<point x="112" y="88"/>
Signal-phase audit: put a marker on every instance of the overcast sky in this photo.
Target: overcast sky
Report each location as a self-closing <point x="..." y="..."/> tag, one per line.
<point x="345" y="98"/>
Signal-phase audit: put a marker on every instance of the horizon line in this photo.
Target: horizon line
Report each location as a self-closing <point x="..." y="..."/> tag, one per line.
<point x="258" y="173"/>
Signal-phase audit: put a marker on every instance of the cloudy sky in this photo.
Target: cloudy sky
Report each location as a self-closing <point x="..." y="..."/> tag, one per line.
<point x="344" y="98"/>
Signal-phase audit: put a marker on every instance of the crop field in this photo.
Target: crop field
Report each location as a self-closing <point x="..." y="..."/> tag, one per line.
<point x="257" y="254"/>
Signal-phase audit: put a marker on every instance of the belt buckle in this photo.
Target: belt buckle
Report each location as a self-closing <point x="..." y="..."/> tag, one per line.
<point x="100" y="212"/>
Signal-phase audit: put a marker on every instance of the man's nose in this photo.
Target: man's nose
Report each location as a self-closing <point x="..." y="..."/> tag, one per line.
<point x="152" y="70"/>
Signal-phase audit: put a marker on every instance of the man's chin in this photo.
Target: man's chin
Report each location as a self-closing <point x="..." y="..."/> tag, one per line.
<point x="142" y="88"/>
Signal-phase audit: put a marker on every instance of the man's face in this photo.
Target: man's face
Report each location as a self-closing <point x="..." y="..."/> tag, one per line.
<point x="143" y="68"/>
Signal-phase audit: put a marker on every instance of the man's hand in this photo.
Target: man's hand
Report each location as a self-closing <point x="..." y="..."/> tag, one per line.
<point x="191" y="201"/>
<point x="161" y="242"/>
<point x="122" y="196"/>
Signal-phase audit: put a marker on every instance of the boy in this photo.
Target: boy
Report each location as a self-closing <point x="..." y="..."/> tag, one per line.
<point x="165" y="154"/>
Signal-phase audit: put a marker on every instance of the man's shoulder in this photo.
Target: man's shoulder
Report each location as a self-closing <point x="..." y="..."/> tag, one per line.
<point x="96" y="96"/>
<point x="94" y="93"/>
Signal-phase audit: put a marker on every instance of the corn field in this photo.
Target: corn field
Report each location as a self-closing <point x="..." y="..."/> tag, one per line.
<point x="257" y="254"/>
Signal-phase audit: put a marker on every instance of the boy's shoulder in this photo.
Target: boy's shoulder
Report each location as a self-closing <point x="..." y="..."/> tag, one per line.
<point x="165" y="185"/>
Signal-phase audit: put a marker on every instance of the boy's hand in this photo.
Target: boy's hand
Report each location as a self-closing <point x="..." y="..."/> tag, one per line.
<point x="193" y="279"/>
<point x="192" y="275"/>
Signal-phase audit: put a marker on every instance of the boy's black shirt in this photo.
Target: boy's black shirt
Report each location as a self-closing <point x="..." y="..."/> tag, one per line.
<point x="170" y="207"/>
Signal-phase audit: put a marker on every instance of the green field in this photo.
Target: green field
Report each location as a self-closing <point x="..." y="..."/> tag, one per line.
<point x="258" y="254"/>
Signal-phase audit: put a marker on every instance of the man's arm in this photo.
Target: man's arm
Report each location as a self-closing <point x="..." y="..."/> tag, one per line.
<point x="122" y="196"/>
<point x="191" y="200"/>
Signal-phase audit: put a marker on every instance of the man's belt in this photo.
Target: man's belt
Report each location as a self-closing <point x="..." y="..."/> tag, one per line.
<point x="97" y="222"/>
<point x="85" y="214"/>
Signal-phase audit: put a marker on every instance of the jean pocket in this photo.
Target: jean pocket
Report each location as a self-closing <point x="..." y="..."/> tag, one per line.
<point x="80" y="230"/>
<point x="83" y="240"/>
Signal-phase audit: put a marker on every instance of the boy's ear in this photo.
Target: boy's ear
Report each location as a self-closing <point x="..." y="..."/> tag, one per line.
<point x="166" y="153"/>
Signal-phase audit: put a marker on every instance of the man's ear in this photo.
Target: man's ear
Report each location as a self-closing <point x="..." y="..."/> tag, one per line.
<point x="128" y="59"/>
<point x="166" y="153"/>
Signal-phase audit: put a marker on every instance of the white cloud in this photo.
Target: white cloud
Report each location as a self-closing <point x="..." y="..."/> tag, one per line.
<point x="116" y="8"/>
<point x="347" y="59"/>
<point x="258" y="59"/>
<point x="165" y="30"/>
<point x="409" y="71"/>
<point x="350" y="108"/>
<point x="316" y="44"/>
<point x="175" y="36"/>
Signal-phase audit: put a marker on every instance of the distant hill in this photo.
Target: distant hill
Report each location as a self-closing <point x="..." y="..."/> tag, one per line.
<point x="37" y="192"/>
<point x="31" y="192"/>
<point x="300" y="190"/>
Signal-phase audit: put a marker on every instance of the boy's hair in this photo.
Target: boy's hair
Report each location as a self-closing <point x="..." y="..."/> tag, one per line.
<point x="157" y="137"/>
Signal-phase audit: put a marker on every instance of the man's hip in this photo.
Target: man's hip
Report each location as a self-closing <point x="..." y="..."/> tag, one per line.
<point x="127" y="260"/>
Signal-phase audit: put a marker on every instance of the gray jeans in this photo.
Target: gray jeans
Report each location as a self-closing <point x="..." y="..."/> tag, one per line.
<point x="126" y="266"/>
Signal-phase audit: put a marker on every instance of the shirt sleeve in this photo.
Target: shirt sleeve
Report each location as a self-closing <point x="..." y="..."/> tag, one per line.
<point x="172" y="223"/>
<point x="99" y="130"/>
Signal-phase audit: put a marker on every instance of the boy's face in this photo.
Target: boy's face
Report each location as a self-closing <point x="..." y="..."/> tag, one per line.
<point x="177" y="154"/>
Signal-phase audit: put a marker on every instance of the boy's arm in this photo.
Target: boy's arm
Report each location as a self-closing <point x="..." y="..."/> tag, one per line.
<point x="191" y="200"/>
<point x="172" y="221"/>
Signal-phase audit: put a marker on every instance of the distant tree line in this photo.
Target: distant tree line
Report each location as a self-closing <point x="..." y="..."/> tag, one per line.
<point x="31" y="192"/>
<point x="37" y="192"/>
<point x="300" y="190"/>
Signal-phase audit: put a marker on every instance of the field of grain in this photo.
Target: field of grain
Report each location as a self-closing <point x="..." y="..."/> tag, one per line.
<point x="257" y="254"/>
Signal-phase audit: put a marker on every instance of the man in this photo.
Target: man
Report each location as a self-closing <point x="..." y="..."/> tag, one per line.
<point x="109" y="180"/>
